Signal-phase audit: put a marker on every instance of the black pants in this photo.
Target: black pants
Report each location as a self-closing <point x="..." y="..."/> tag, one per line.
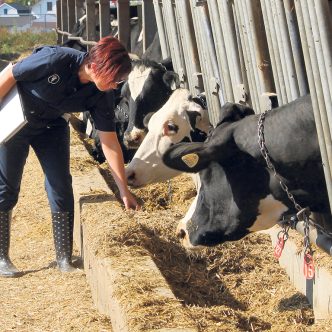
<point x="51" y="145"/>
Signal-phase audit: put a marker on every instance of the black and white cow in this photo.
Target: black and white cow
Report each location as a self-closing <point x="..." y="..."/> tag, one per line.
<point x="121" y="116"/>
<point x="148" y="87"/>
<point x="238" y="193"/>
<point x="182" y="118"/>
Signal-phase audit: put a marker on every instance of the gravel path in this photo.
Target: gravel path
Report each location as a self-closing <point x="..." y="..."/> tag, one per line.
<point x="43" y="299"/>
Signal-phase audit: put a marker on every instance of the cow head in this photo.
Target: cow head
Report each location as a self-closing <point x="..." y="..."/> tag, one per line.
<point x="182" y="118"/>
<point x="148" y="87"/>
<point x="234" y="197"/>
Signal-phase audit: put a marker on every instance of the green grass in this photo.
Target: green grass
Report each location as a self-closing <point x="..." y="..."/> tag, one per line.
<point x="16" y="44"/>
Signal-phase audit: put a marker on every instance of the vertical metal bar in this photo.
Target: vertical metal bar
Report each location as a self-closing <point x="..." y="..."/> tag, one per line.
<point x="220" y="46"/>
<point x="71" y="15"/>
<point x="104" y="18"/>
<point x="174" y="40"/>
<point x="90" y="21"/>
<point x="281" y="47"/>
<point x="324" y="65"/>
<point x="58" y="20"/>
<point x="124" y="23"/>
<point x="149" y="24"/>
<point x="243" y="31"/>
<point x="79" y="9"/>
<point x="203" y="62"/>
<point x="289" y="61"/>
<point x="161" y="29"/>
<point x="274" y="51"/>
<point x="261" y="54"/>
<point x="232" y="49"/>
<point x="186" y="31"/>
<point x="296" y="47"/>
<point x="64" y="19"/>
<point x="316" y="93"/>
<point x="242" y="91"/>
<point x="324" y="24"/>
<point x="208" y="59"/>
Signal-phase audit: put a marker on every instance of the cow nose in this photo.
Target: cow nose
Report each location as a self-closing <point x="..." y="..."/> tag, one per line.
<point x="131" y="178"/>
<point x="181" y="234"/>
<point x="137" y="138"/>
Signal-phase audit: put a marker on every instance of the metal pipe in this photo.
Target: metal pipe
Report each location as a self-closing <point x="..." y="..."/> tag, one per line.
<point x="281" y="48"/>
<point x="243" y="89"/>
<point x="220" y="47"/>
<point x="232" y="49"/>
<point x="204" y="62"/>
<point x="248" y="19"/>
<point x="90" y="21"/>
<point x="274" y="52"/>
<point x="173" y="39"/>
<point x="104" y="18"/>
<point x="324" y="64"/>
<point x="320" y="119"/>
<point x="80" y="39"/>
<point x="161" y="30"/>
<point x="322" y="241"/>
<point x="187" y="35"/>
<point x="212" y="88"/>
<point x="290" y="73"/>
<point x="295" y="42"/>
<point x="79" y="9"/>
<point x="211" y="51"/>
<point x="243" y="30"/>
<point x="324" y="13"/>
<point x="64" y="18"/>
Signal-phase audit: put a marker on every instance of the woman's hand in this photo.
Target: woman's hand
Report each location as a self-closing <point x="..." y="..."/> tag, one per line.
<point x="114" y="157"/>
<point x="129" y="201"/>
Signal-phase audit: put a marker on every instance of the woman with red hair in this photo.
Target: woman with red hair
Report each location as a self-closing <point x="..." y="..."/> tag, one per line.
<point x="52" y="82"/>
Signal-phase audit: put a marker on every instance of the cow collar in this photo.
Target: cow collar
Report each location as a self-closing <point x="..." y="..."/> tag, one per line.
<point x="302" y="214"/>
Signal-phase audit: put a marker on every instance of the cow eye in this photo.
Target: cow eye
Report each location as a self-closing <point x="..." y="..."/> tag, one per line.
<point x="172" y="127"/>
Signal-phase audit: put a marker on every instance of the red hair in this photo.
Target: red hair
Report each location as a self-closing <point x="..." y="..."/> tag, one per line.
<point x="111" y="59"/>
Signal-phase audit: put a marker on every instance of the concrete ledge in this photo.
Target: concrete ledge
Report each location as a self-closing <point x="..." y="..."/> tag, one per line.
<point x="106" y="276"/>
<point x="318" y="290"/>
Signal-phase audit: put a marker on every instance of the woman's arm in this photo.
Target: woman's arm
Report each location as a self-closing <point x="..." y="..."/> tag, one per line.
<point x="113" y="154"/>
<point x="7" y="81"/>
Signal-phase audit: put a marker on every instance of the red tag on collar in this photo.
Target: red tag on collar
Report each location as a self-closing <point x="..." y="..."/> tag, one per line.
<point x="279" y="247"/>
<point x="308" y="266"/>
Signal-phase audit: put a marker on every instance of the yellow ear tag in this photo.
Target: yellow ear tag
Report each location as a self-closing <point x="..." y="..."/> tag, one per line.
<point x="190" y="159"/>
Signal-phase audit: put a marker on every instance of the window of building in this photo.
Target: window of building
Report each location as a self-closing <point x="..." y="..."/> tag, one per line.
<point x="5" y="11"/>
<point x="49" y="6"/>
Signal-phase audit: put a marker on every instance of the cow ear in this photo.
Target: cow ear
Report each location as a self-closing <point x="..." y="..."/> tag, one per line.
<point x="231" y="112"/>
<point x="171" y="79"/>
<point x="186" y="157"/>
<point x="147" y="119"/>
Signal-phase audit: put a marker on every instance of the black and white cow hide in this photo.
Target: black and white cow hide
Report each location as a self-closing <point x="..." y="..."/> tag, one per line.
<point x="239" y="194"/>
<point x="148" y="87"/>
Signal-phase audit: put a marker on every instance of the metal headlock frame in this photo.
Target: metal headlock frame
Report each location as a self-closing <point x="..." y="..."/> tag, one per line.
<point x="268" y="53"/>
<point x="260" y="52"/>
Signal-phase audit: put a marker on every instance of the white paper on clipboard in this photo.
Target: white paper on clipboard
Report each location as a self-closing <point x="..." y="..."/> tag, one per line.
<point x="12" y="117"/>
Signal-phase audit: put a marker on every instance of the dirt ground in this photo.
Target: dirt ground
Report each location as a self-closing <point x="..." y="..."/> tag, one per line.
<point x="235" y="287"/>
<point x="43" y="299"/>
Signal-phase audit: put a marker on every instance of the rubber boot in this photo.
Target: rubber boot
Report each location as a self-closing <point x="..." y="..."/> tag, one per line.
<point x="63" y="224"/>
<point x="7" y="268"/>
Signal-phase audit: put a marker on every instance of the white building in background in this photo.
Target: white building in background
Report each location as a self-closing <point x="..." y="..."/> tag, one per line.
<point x="45" y="13"/>
<point x="13" y="10"/>
<point x="44" y="7"/>
<point x="15" y="16"/>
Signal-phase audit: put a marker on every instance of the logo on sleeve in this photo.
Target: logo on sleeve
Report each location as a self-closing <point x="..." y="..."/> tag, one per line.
<point x="53" y="79"/>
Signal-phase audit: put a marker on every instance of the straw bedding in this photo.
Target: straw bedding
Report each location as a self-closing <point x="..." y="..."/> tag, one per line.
<point x="234" y="287"/>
